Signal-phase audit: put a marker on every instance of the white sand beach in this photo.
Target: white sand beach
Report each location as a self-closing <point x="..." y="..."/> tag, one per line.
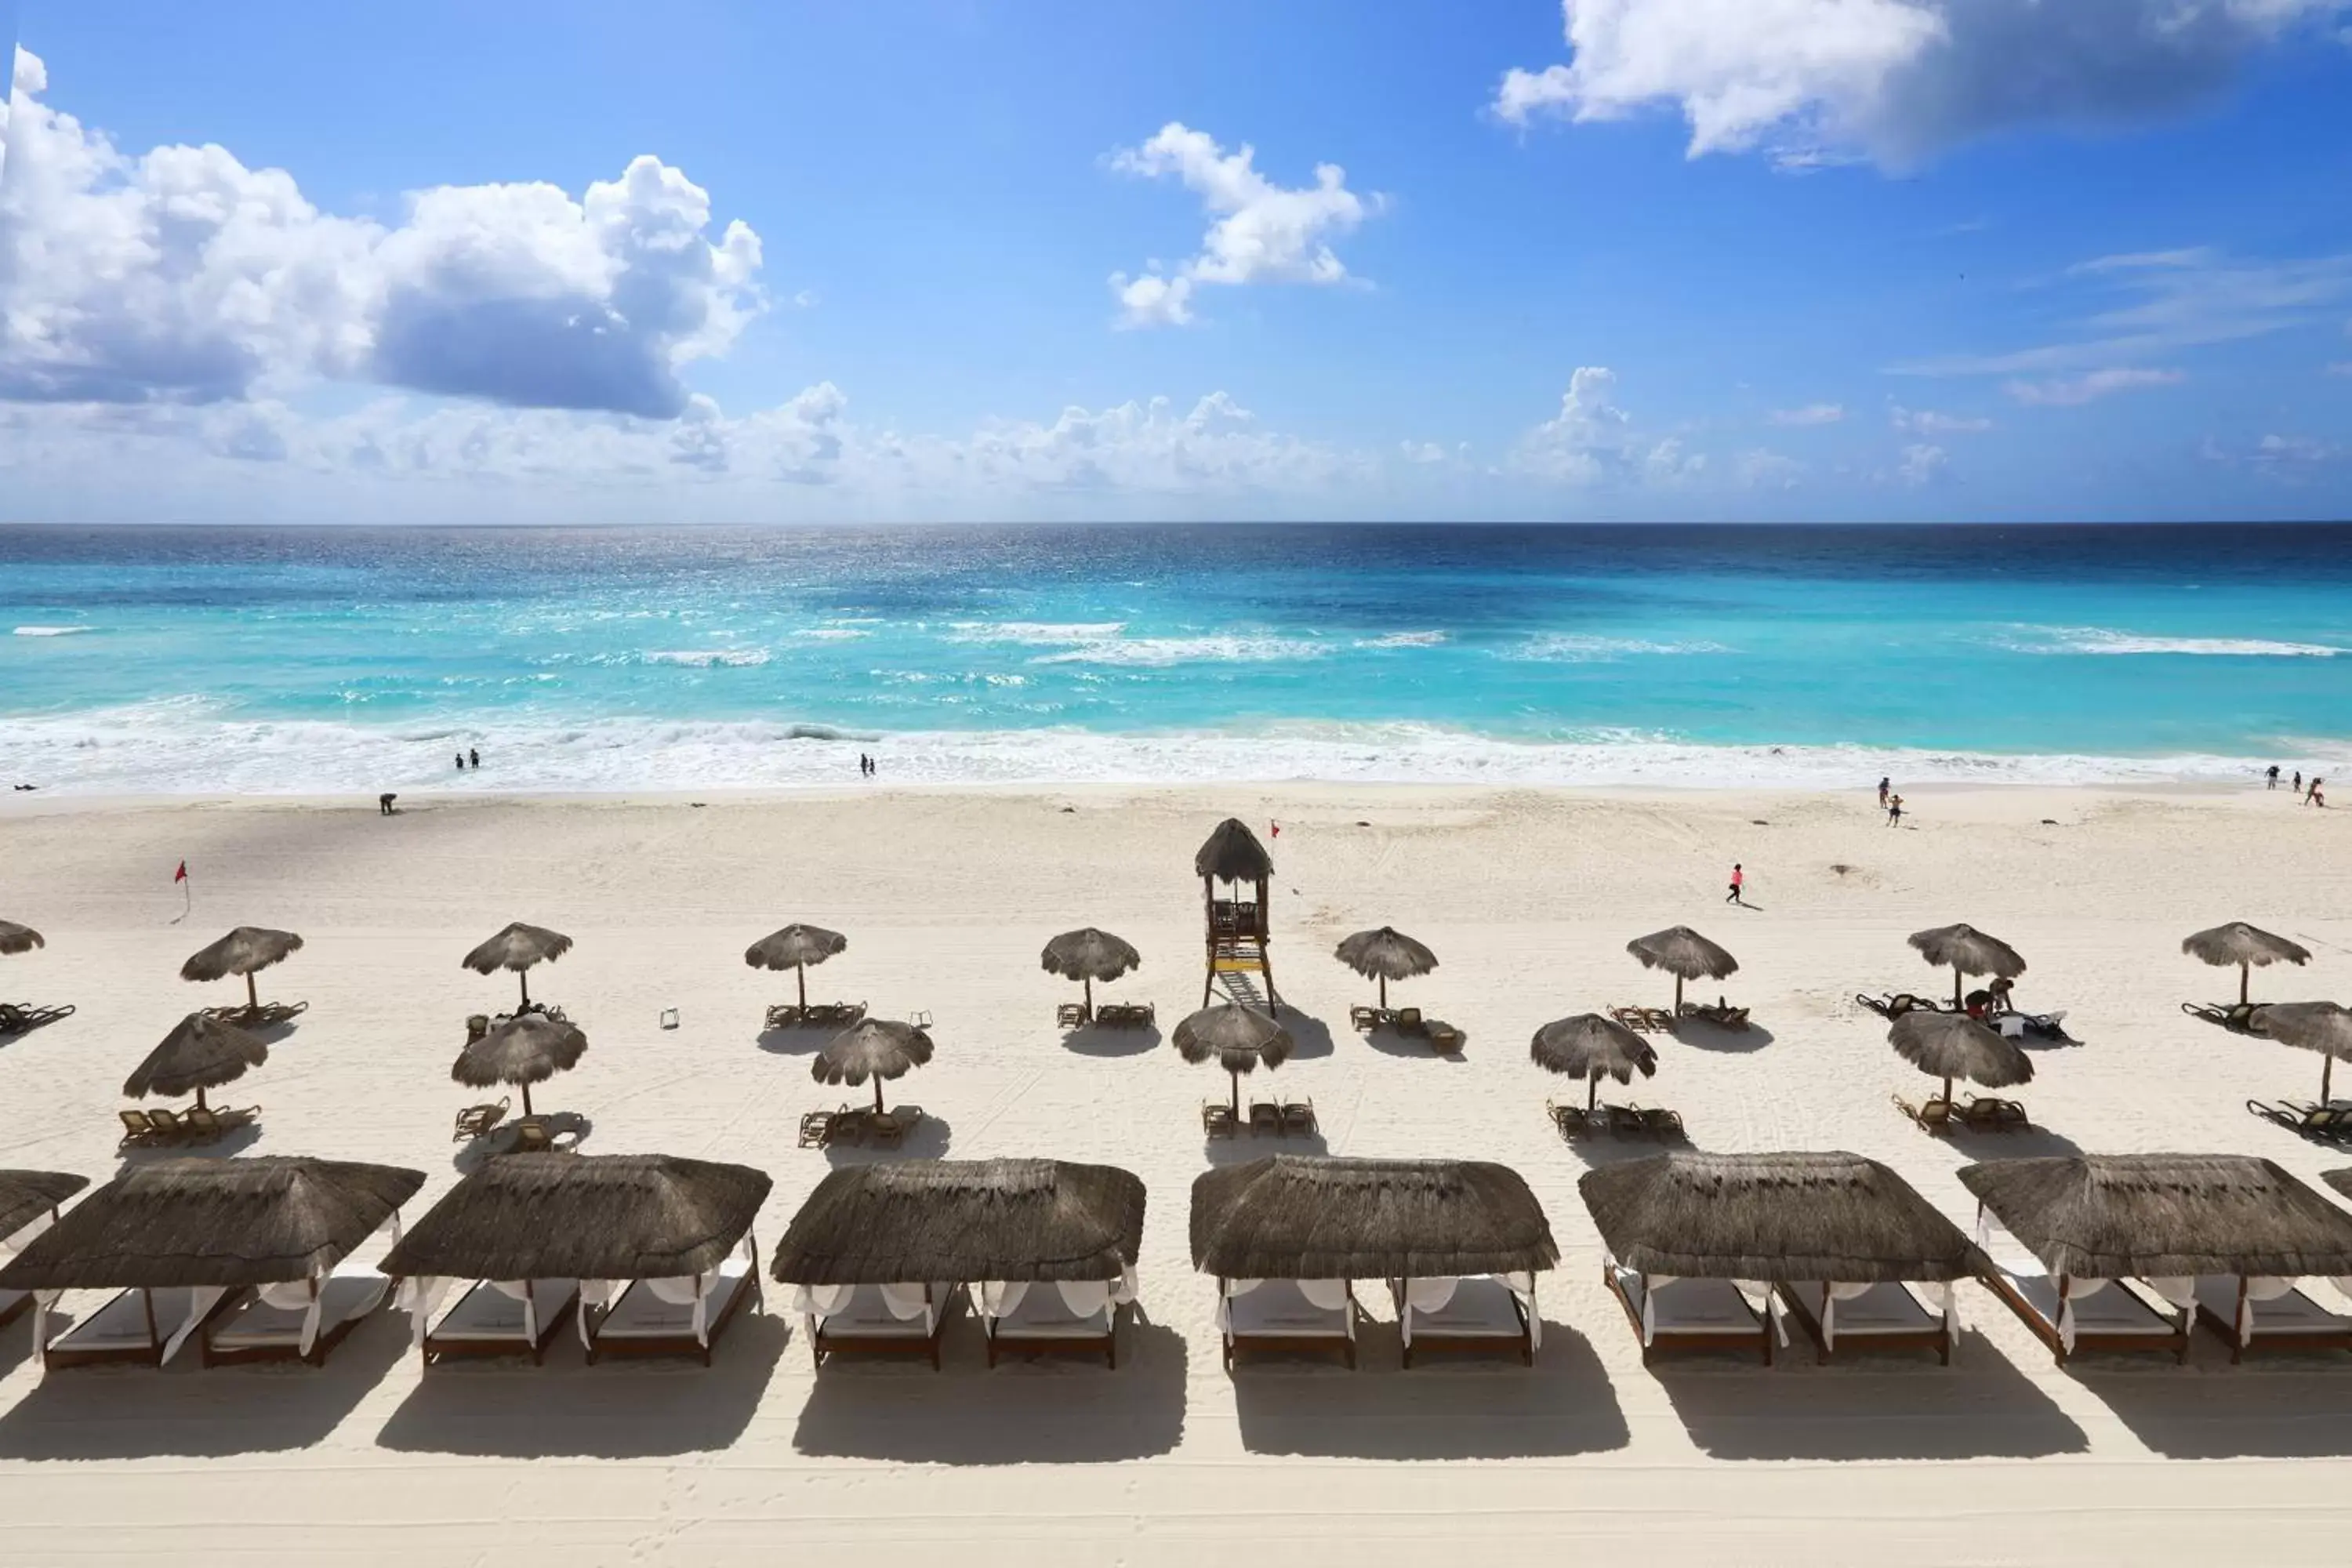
<point x="947" y="897"/>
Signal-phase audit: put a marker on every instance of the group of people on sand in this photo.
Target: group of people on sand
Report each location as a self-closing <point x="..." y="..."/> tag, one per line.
<point x="2309" y="794"/>
<point x="1890" y="802"/>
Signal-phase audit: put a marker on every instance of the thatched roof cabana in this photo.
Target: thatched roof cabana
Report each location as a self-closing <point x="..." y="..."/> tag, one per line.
<point x="1967" y="951"/>
<point x="1088" y="955"/>
<point x="964" y="1221"/>
<point x="795" y="948"/>
<point x="878" y="1049"/>
<point x="518" y="948"/>
<point x="2116" y="1217"/>
<point x="1589" y="1046"/>
<point x="1233" y="854"/>
<point x="247" y="951"/>
<point x="1237" y="1037"/>
<point x="1953" y="1045"/>
<point x="2322" y="1027"/>
<point x="528" y="1048"/>
<point x="26" y="1195"/>
<point x="1384" y="955"/>
<point x="200" y="1053"/>
<point x="260" y="1220"/>
<point x="2340" y="1180"/>
<point x="1311" y="1216"/>
<point x="583" y="1217"/>
<point x="2248" y="947"/>
<point x="16" y="938"/>
<point x="1685" y="954"/>
<point x="1772" y="1218"/>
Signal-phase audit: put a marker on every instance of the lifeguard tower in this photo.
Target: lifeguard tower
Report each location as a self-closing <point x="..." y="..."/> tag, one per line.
<point x="1234" y="869"/>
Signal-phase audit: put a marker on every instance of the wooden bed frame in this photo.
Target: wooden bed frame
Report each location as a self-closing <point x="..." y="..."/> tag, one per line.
<point x="435" y="1349"/>
<point x="330" y="1336"/>
<point x="1467" y="1344"/>
<point x="821" y="1344"/>
<point x="1341" y="1341"/>
<point x="2087" y="1340"/>
<point x="2292" y="1340"/>
<point x="1103" y="1345"/>
<point x="1680" y="1340"/>
<point x="149" y="1354"/>
<point x="683" y="1345"/>
<point x="1938" y="1338"/>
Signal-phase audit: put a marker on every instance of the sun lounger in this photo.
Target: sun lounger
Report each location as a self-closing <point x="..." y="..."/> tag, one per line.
<point x="1275" y="1315"/>
<point x="260" y="1017"/>
<point x="1364" y="1019"/>
<point x="1896" y="1004"/>
<point x="476" y="1121"/>
<point x="1983" y="1113"/>
<point x="1720" y="1014"/>
<point x="2111" y="1317"/>
<point x="1126" y="1015"/>
<point x="1217" y="1119"/>
<point x="641" y="1322"/>
<point x="167" y="1126"/>
<point x="2050" y="1026"/>
<point x="1569" y="1119"/>
<point x="253" y="1328"/>
<point x="132" y="1327"/>
<point x="1482" y="1315"/>
<point x="1442" y="1035"/>
<point x="1298" y="1118"/>
<point x="1647" y="1020"/>
<point x="137" y="1129"/>
<point x="1931" y="1116"/>
<point x="486" y="1322"/>
<point x="1702" y="1315"/>
<point x="2237" y="1017"/>
<point x="889" y="1129"/>
<point x="865" y="1323"/>
<point x="1042" y="1323"/>
<point x="2292" y="1321"/>
<point x="210" y="1126"/>
<point x="1265" y="1116"/>
<point x="2331" y="1122"/>
<point x="1887" y="1316"/>
<point x="1072" y="1016"/>
<point x="18" y="1020"/>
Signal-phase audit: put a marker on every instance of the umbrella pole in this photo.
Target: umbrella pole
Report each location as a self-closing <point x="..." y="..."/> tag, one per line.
<point x="252" y="997"/>
<point x="1958" y="981"/>
<point x="1235" y="1103"/>
<point x="878" y="1094"/>
<point x="1088" y="980"/>
<point x="2326" y="1072"/>
<point x="2245" y="978"/>
<point x="801" y="970"/>
<point x="1384" y="993"/>
<point x="526" y="1102"/>
<point x="1947" y="1093"/>
<point x="201" y="1106"/>
<point x="1591" y="1093"/>
<point x="524" y="976"/>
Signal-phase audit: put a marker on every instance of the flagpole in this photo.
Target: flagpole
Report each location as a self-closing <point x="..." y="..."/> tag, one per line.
<point x="187" y="894"/>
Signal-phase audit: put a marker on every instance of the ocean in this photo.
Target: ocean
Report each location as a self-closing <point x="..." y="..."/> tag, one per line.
<point x="330" y="659"/>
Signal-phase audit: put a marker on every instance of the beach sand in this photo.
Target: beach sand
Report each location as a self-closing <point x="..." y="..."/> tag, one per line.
<point x="947" y="897"/>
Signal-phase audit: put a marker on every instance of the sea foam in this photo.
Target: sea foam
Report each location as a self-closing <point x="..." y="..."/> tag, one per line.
<point x="2098" y="640"/>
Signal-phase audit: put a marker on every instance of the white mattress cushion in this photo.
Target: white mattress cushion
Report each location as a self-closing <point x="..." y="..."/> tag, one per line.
<point x="1700" y="1307"/>
<point x="640" y="1314"/>
<point x="2293" y="1314"/>
<point x="123" y="1321"/>
<point x="489" y="1313"/>
<point x="1886" y="1308"/>
<point x="2110" y="1310"/>
<point x="256" y="1323"/>
<point x="1277" y="1309"/>
<point x="1478" y="1309"/>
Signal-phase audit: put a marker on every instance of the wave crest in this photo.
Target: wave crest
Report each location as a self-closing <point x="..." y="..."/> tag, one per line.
<point x="2099" y="641"/>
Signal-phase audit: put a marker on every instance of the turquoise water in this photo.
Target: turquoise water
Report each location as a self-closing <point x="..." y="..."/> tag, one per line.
<point x="333" y="659"/>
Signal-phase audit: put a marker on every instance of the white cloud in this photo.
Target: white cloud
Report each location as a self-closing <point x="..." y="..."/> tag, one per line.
<point x="1814" y="80"/>
<point x="179" y="275"/>
<point x="1810" y="415"/>
<point x="1262" y="232"/>
<point x="2282" y="453"/>
<point x="1592" y="441"/>
<point x="1929" y="422"/>
<point x="1922" y="464"/>
<point x="1763" y="469"/>
<point x="2072" y="392"/>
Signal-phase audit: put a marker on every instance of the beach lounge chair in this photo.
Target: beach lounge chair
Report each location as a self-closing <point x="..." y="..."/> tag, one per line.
<point x="1072" y="1016"/>
<point x="2287" y="1321"/>
<point x="1040" y="1318"/>
<point x="1660" y="1123"/>
<point x="134" y="1327"/>
<point x="1217" y="1119"/>
<point x="1896" y="1004"/>
<point x="1481" y="1314"/>
<point x="477" y="1026"/>
<point x="1719" y="1013"/>
<point x="1699" y="1315"/>
<point x="655" y="1316"/>
<point x="2046" y="1027"/>
<point x="18" y="1020"/>
<point x="1265" y="1116"/>
<point x="1126" y="1015"/>
<point x="1635" y="1019"/>
<point x="1983" y="1113"/>
<point x="1364" y="1018"/>
<point x="514" y="1317"/>
<point x="2111" y="1317"/>
<point x="2237" y="1017"/>
<point x="1298" y="1118"/>
<point x="2332" y="1123"/>
<point x="1931" y="1116"/>
<point x="1885" y="1316"/>
<point x="266" y="1325"/>
<point x="476" y="1121"/>
<point x="889" y="1129"/>
<point x="168" y="1127"/>
<point x="210" y="1126"/>
<point x="1568" y="1120"/>
<point x="1289" y="1315"/>
<point x="878" y="1320"/>
<point x="137" y="1129"/>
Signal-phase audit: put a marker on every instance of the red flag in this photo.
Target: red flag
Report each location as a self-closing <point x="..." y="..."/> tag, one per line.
<point x="1274" y="829"/>
<point x="182" y="874"/>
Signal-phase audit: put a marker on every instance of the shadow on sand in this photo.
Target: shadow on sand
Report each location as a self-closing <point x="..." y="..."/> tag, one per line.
<point x="1702" y="1035"/>
<point x="1048" y="1410"/>
<point x="2032" y="1142"/>
<point x="507" y="1408"/>
<point x="1416" y="1048"/>
<point x="236" y="1140"/>
<point x="797" y="1041"/>
<point x="2270" y="1407"/>
<point x="929" y="1141"/>
<point x="1093" y="1040"/>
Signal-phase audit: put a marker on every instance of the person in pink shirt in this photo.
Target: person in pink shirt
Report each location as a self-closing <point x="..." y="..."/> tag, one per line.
<point x="1739" y="880"/>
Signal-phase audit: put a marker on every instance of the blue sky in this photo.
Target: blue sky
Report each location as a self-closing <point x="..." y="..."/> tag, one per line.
<point x="1623" y="258"/>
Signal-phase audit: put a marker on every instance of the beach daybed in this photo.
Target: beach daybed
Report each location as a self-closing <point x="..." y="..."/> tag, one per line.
<point x="278" y="1322"/>
<point x="2216" y="1236"/>
<point x="1696" y="1240"/>
<point x="882" y="1257"/>
<point x="1458" y="1242"/>
<point x="647" y="1253"/>
<point x="181" y="1243"/>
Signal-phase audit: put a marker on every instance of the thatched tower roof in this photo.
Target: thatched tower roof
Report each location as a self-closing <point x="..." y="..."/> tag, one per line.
<point x="247" y="949"/>
<point x="16" y="938"/>
<point x="1239" y="1039"/>
<point x="1969" y="951"/>
<point x="252" y="1221"/>
<point x="1090" y="954"/>
<point x="2111" y="1217"/>
<point x="26" y="1195"/>
<point x="793" y="946"/>
<point x="873" y="1047"/>
<point x="1953" y="1045"/>
<point x="1233" y="854"/>
<point x="2239" y="942"/>
<point x="1682" y="953"/>
<point x="518" y="948"/>
<point x="1385" y="954"/>
<point x="2322" y="1027"/>
<point x="583" y="1217"/>
<point x="1772" y="1217"/>
<point x="200" y="1052"/>
<point x="1590" y="1046"/>
<point x="964" y="1220"/>
<point x="530" y="1047"/>
<point x="1307" y="1216"/>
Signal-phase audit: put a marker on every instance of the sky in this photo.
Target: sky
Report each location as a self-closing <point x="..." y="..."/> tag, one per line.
<point x="939" y="259"/>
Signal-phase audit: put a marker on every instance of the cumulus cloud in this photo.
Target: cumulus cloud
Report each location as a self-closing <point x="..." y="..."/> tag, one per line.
<point x="181" y="275"/>
<point x="1923" y="463"/>
<point x="1929" y="422"/>
<point x="1810" y="415"/>
<point x="1592" y="441"/>
<point x="1262" y="232"/>
<point x="1764" y="470"/>
<point x="2074" y="391"/>
<point x="1894" y="80"/>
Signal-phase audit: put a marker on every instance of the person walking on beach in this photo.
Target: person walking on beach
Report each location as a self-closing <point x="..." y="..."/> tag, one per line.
<point x="1739" y="880"/>
<point x="1884" y="785"/>
<point x="2274" y="775"/>
<point x="1894" y="811"/>
<point x="2297" y="786"/>
<point x="2312" y="796"/>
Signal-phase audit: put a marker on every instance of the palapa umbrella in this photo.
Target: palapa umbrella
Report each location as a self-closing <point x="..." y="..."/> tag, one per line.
<point x="876" y="1048"/>
<point x="518" y="948"/>
<point x="16" y="938"/>
<point x="795" y="948"/>
<point x="1952" y="1045"/>
<point x="200" y="1053"/>
<point x="1238" y="1037"/>
<point x="26" y="1195"/>
<point x="528" y="1048"/>
<point x="1685" y="954"/>
<point x="1088" y="955"/>
<point x="2244" y="946"/>
<point x="2321" y="1027"/>
<point x="1591" y="1047"/>
<point x="1384" y="955"/>
<point x="1967" y="951"/>
<point x="247" y="951"/>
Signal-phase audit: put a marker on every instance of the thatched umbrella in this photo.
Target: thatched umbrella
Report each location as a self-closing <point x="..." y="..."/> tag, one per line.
<point x="2245" y="946"/>
<point x="26" y="1195"/>
<point x="1685" y="954"/>
<point x="1591" y="1047"/>
<point x="200" y="1053"/>
<point x="1773" y="1218"/>
<point x="16" y="938"/>
<point x="2116" y="1216"/>
<point x="1088" y="955"/>
<point x="258" y="1220"/>
<point x="2321" y="1027"/>
<point x="247" y="951"/>
<point x="1952" y="1045"/>
<point x="1967" y="951"/>
<point x="1014" y="1220"/>
<point x="873" y="1047"/>
<point x="795" y="948"/>
<point x="528" y="1048"/>
<point x="1233" y="854"/>
<point x="1238" y="1037"/>
<point x="549" y="1215"/>
<point x="1384" y="955"/>
<point x="1314" y="1216"/>
<point x="518" y="948"/>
